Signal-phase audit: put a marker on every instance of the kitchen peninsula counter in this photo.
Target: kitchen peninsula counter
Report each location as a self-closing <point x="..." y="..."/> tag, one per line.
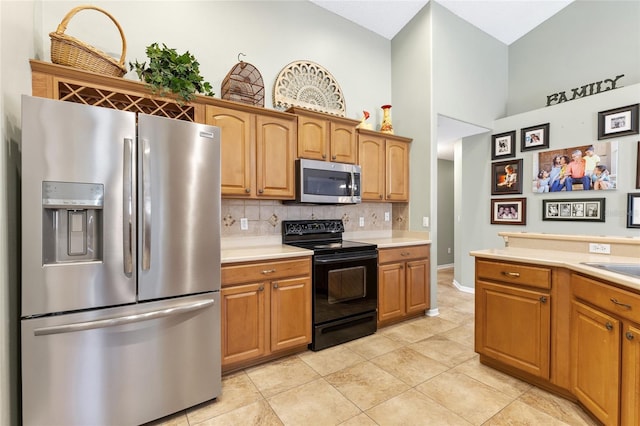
<point x="564" y="259"/>
<point x="569" y="252"/>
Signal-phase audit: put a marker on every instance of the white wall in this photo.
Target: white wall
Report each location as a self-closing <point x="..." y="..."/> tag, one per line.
<point x="593" y="39"/>
<point x="469" y="84"/>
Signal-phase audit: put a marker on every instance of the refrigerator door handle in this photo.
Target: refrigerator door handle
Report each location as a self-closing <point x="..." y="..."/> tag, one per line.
<point x="146" y="206"/>
<point x="127" y="213"/>
<point x="128" y="319"/>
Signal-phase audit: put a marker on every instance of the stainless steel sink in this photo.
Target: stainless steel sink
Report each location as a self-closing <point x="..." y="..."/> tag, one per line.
<point x="631" y="269"/>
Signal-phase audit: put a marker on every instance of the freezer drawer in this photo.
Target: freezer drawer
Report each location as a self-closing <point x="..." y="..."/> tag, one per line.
<point x="121" y="366"/>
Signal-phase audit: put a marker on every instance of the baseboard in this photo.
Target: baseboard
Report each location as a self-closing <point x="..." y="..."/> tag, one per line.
<point x="433" y="312"/>
<point x="447" y="266"/>
<point x="463" y="288"/>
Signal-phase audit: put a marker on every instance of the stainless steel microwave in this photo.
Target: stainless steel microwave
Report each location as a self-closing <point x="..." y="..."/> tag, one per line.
<point x="323" y="182"/>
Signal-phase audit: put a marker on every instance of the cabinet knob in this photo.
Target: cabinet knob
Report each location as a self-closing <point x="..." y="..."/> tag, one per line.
<point x="260" y="191"/>
<point x="543" y="299"/>
<point x="380" y="196"/>
<point x="333" y="157"/>
<point x="609" y="326"/>
<point x="261" y="288"/>
<point x="629" y="335"/>
<point x="247" y="190"/>
<point x="275" y="285"/>
<point x="324" y="156"/>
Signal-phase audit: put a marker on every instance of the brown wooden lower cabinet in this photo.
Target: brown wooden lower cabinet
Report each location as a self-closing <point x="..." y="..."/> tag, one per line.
<point x="403" y="283"/>
<point x="606" y="350"/>
<point x="266" y="310"/>
<point x="519" y="308"/>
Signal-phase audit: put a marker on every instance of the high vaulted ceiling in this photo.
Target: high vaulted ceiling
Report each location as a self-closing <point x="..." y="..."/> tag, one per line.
<point x="506" y="20"/>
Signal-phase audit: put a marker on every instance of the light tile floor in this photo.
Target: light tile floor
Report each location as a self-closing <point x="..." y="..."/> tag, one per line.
<point x="420" y="372"/>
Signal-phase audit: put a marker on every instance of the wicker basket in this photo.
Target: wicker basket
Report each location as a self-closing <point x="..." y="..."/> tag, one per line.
<point x="67" y="50"/>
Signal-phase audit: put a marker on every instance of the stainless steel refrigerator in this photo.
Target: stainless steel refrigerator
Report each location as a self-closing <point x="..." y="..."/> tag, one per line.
<point x="120" y="319"/>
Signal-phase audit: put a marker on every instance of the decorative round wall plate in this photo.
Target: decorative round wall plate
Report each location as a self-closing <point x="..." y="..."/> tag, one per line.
<point x="308" y="85"/>
<point x="243" y="84"/>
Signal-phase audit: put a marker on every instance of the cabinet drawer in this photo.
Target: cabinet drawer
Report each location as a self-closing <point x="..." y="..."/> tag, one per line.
<point x="532" y="276"/>
<point x="264" y="271"/>
<point x="403" y="253"/>
<point x="622" y="303"/>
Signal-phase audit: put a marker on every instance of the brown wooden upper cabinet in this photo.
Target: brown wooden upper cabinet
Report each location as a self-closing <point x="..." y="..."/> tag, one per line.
<point x="257" y="152"/>
<point x="326" y="137"/>
<point x="384" y="159"/>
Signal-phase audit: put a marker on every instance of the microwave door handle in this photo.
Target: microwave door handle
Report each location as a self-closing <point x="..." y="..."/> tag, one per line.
<point x="127" y="207"/>
<point x="146" y="206"/>
<point x="353" y="184"/>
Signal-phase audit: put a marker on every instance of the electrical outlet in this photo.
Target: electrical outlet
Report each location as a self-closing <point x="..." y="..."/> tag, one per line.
<point x="244" y="223"/>
<point x="425" y="221"/>
<point x="449" y="250"/>
<point x="386" y="216"/>
<point x="361" y="221"/>
<point x="600" y="248"/>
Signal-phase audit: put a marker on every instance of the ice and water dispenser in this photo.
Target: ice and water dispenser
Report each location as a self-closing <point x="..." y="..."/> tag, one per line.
<point x="72" y="222"/>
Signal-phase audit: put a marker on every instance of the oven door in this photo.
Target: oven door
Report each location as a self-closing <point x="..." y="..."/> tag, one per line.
<point x="344" y="285"/>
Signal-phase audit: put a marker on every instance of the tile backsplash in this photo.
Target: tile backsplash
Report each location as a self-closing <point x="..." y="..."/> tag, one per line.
<point x="265" y="217"/>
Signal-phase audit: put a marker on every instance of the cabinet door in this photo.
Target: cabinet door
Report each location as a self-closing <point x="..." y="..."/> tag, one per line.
<point x="397" y="171"/>
<point x="391" y="288"/>
<point x="417" y="276"/>
<point x="630" y="376"/>
<point x="275" y="152"/>
<point x="236" y="149"/>
<point x="343" y="143"/>
<point x="244" y="322"/>
<point x="290" y="313"/>
<point x="371" y="157"/>
<point x="513" y="325"/>
<point x="313" y="138"/>
<point x="595" y="363"/>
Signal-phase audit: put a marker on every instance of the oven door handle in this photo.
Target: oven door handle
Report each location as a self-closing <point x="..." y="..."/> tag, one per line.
<point x="341" y="257"/>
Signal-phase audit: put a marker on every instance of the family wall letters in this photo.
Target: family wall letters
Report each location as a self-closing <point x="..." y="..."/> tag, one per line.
<point x="586" y="90"/>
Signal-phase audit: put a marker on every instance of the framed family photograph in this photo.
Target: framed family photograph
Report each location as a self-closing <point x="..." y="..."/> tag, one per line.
<point x="506" y="177"/>
<point x="576" y="168"/>
<point x="509" y="211"/>
<point x="618" y="122"/>
<point x="503" y="145"/>
<point x="535" y="137"/>
<point x="586" y="209"/>
<point x="633" y="210"/>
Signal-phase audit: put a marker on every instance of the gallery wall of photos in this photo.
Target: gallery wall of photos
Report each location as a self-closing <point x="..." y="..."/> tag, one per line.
<point x="557" y="171"/>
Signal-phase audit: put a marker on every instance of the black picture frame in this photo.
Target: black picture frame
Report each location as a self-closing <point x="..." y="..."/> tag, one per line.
<point x="638" y="167"/>
<point x="503" y="182"/>
<point x="617" y="122"/>
<point x="503" y="145"/>
<point x="574" y="210"/>
<point x="535" y="137"/>
<point x="515" y="208"/>
<point x="633" y="210"/>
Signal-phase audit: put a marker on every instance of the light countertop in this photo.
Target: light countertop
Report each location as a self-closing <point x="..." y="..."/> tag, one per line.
<point x="268" y="248"/>
<point x="565" y="259"/>
<point x="265" y="252"/>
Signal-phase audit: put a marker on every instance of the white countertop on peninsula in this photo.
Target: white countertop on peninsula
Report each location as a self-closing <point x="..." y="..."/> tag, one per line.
<point x="565" y="259"/>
